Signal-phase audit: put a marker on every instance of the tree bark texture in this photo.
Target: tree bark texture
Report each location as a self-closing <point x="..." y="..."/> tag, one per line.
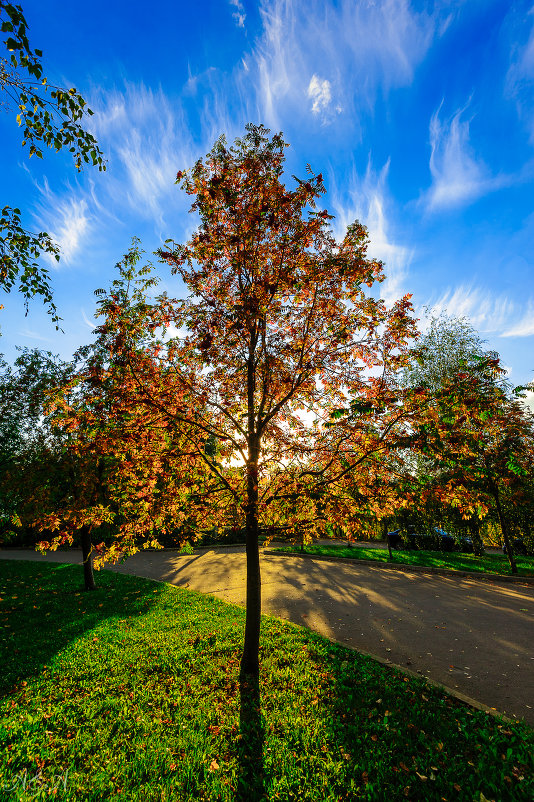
<point x="87" y="549"/>
<point x="478" y="545"/>
<point x="504" y="529"/>
<point x="251" y="646"/>
<point x="388" y="541"/>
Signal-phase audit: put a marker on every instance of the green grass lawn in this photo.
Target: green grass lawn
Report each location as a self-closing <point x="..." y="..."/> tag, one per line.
<point x="489" y="563"/>
<point x="132" y="693"/>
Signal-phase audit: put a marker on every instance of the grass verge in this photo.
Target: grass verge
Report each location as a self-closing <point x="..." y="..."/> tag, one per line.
<point x="489" y="563"/>
<point x="132" y="692"/>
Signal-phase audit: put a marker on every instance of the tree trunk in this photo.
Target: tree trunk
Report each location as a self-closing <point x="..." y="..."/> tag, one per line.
<point x="478" y="545"/>
<point x="388" y="541"/>
<point x="250" y="659"/>
<point x="87" y="549"/>
<point x="504" y="529"/>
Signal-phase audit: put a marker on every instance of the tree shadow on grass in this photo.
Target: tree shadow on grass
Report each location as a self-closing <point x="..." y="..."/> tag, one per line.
<point x="43" y="609"/>
<point x="250" y="745"/>
<point x="403" y="739"/>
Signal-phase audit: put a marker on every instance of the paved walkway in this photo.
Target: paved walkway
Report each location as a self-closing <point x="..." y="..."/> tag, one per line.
<point x="475" y="638"/>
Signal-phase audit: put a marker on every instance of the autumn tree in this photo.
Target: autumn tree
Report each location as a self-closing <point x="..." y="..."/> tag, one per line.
<point x="52" y="117"/>
<point x="122" y="474"/>
<point x="277" y="327"/>
<point x="40" y="472"/>
<point x="448" y="347"/>
<point x="481" y="440"/>
<point x="368" y="478"/>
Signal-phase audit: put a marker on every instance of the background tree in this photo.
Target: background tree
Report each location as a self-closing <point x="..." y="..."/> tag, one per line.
<point x="25" y="436"/>
<point x="449" y="346"/>
<point x="442" y="351"/>
<point x="121" y="475"/>
<point x="481" y="439"/>
<point x="50" y="117"/>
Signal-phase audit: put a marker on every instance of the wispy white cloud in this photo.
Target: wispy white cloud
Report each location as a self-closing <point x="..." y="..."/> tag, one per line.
<point x="520" y="77"/>
<point x="486" y="311"/>
<point x="524" y="327"/>
<point x="359" y="47"/>
<point x="458" y="176"/>
<point x="91" y="324"/>
<point x="368" y="202"/>
<point x="66" y="218"/>
<point x="148" y="140"/>
<point x="34" y="335"/>
<point x="239" y="14"/>
<point x="71" y="227"/>
<point x="319" y="92"/>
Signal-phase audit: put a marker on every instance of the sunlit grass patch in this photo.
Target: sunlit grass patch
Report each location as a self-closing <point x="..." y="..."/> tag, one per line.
<point x="132" y="692"/>
<point x="488" y="563"/>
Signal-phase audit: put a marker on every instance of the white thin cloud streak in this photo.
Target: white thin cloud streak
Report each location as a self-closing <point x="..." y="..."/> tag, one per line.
<point x="368" y="203"/>
<point x="239" y="13"/>
<point x="91" y="324"/>
<point x="520" y="77"/>
<point x="524" y="327"/>
<point x="148" y="140"/>
<point x="486" y="311"/>
<point x="67" y="220"/>
<point x="34" y="335"/>
<point x="351" y="49"/>
<point x="72" y="227"/>
<point x="457" y="175"/>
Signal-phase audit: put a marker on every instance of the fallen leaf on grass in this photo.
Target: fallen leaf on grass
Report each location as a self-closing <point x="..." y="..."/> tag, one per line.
<point x="214" y="765"/>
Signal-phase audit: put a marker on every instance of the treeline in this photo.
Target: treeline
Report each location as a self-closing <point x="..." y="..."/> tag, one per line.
<point x="441" y="471"/>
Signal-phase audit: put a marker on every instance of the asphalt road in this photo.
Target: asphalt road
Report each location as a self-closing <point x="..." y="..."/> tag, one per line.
<point x="475" y="638"/>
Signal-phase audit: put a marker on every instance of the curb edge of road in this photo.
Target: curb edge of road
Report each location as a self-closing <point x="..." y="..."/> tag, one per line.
<point x="425" y="569"/>
<point x="462" y="697"/>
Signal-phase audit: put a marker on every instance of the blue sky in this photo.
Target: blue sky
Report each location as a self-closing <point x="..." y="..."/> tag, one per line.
<point x="420" y="115"/>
